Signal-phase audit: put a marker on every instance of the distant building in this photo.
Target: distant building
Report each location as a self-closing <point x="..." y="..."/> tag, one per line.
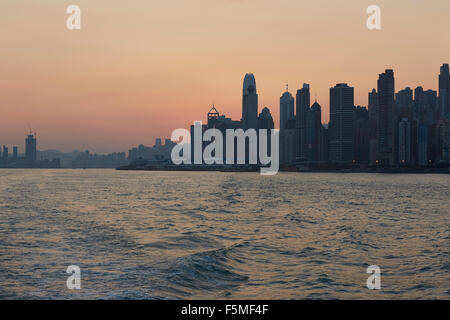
<point x="372" y="106"/>
<point x="404" y="97"/>
<point x="373" y="152"/>
<point x="386" y="118"/>
<point x="288" y="143"/>
<point x="444" y="141"/>
<point x="286" y="109"/>
<point x="30" y="159"/>
<point x="222" y="123"/>
<point x="324" y="144"/>
<point x="442" y="149"/>
<point x="430" y="99"/>
<point x="444" y="91"/>
<point x="341" y="123"/>
<point x="30" y="148"/>
<point x="249" y="102"/>
<point x="422" y="145"/>
<point x="89" y="160"/>
<point x="313" y="133"/>
<point x="404" y="101"/>
<point x="303" y="103"/>
<point x="158" y="152"/>
<point x="361" y="135"/>
<point x="404" y="144"/>
<point x="419" y="95"/>
<point x="265" y="120"/>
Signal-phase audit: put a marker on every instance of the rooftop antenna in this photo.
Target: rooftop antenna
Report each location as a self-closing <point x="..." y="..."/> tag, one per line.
<point x="287" y="85"/>
<point x="31" y="133"/>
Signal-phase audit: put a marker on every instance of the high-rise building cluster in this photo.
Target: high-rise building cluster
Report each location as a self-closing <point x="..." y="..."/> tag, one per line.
<point x="158" y="152"/>
<point x="29" y="159"/>
<point x="408" y="128"/>
<point x="404" y="128"/>
<point x="250" y="120"/>
<point x="89" y="160"/>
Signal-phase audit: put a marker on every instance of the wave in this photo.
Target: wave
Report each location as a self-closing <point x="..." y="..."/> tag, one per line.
<point x="209" y="271"/>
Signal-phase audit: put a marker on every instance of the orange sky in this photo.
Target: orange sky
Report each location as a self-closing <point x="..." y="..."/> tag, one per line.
<point x="139" y="69"/>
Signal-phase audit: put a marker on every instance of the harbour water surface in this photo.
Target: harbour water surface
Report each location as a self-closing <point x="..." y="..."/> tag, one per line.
<point x="208" y="235"/>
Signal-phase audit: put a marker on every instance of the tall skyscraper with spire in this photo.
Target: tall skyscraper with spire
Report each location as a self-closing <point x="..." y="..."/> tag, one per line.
<point x="444" y="90"/>
<point x="250" y="103"/>
<point x="303" y="104"/>
<point x="286" y="108"/>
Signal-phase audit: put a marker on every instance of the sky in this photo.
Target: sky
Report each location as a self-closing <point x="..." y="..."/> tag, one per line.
<point x="139" y="69"/>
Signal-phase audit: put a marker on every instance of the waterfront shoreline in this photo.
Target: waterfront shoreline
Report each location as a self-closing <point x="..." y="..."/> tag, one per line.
<point x="313" y="170"/>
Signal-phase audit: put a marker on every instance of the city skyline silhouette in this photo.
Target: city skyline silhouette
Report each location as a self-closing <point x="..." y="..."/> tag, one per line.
<point x="224" y="158"/>
<point x="119" y="81"/>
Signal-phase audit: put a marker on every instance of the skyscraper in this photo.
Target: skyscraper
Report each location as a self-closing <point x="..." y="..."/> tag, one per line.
<point x="430" y="98"/>
<point x="302" y="108"/>
<point x="341" y="123"/>
<point x="404" y="97"/>
<point x="372" y="106"/>
<point x="385" y="118"/>
<point x="443" y="143"/>
<point x="265" y="120"/>
<point x="444" y="90"/>
<point x="250" y="103"/>
<point x="324" y="143"/>
<point x="418" y="94"/>
<point x="286" y="108"/>
<point x="404" y="142"/>
<point x="288" y="143"/>
<point x="404" y="101"/>
<point x="361" y="135"/>
<point x="222" y="123"/>
<point x="313" y="132"/>
<point x="30" y="148"/>
<point x="422" y="145"/>
<point x="5" y="153"/>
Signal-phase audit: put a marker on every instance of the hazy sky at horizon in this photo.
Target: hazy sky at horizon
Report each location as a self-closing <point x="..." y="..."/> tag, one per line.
<point x="139" y="69"/>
